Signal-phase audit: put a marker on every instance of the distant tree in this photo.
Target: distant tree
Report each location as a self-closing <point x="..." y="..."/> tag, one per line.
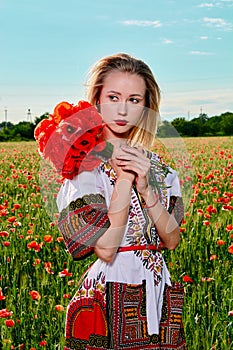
<point x="38" y="119"/>
<point x="203" y="118"/>
<point x="166" y="129"/>
<point x="192" y="129"/>
<point x="200" y="126"/>
<point x="24" y="130"/>
<point x="213" y="126"/>
<point x="226" y="123"/>
<point x="7" y="134"/>
<point x="200" y="122"/>
<point x="181" y="125"/>
<point x="8" y="125"/>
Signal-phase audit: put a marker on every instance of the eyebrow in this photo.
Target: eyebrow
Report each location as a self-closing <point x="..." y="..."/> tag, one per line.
<point x="118" y="93"/>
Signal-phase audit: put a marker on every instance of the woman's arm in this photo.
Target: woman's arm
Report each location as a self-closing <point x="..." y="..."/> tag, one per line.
<point x="107" y="245"/>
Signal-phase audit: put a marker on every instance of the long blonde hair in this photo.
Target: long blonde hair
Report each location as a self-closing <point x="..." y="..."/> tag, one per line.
<point x="144" y="132"/>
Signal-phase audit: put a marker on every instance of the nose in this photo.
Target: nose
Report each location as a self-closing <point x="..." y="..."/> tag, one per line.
<point x="122" y="109"/>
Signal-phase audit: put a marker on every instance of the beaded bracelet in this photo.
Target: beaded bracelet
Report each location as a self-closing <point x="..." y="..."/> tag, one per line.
<point x="154" y="204"/>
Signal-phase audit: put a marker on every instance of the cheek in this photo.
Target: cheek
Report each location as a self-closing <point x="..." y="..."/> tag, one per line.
<point x="107" y="111"/>
<point x="135" y="112"/>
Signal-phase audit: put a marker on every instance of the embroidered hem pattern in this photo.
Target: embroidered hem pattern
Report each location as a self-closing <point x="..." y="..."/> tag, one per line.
<point x="120" y="322"/>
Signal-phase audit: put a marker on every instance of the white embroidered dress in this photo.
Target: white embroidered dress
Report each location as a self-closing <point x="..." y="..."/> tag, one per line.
<point x="130" y="267"/>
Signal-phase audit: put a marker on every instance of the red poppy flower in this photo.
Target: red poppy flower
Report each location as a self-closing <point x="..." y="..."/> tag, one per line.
<point x="65" y="273"/>
<point x="186" y="278"/>
<point x="221" y="242"/>
<point x="11" y="219"/>
<point x="62" y="111"/>
<point x="200" y="212"/>
<point x="206" y="279"/>
<point x="4" y="313"/>
<point x="43" y="131"/>
<point x="206" y="223"/>
<point x="71" y="138"/>
<point x="35" y="295"/>
<point x="213" y="257"/>
<point x="228" y="228"/>
<point x="2" y="297"/>
<point x="230" y="249"/>
<point x="66" y="296"/>
<point x="34" y="245"/>
<point x="48" y="238"/>
<point x="211" y="209"/>
<point x="9" y="323"/>
<point x="59" y="308"/>
<point x="43" y="343"/>
<point x="227" y="207"/>
<point x="4" y="234"/>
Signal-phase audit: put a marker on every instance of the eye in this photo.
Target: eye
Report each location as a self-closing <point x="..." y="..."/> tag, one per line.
<point x="134" y="100"/>
<point x="113" y="98"/>
<point x="70" y="129"/>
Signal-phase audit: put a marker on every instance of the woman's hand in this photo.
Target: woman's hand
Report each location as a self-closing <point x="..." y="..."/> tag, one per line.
<point x="132" y="160"/>
<point x="118" y="168"/>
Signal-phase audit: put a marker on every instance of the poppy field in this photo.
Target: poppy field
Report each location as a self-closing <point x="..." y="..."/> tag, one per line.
<point x="38" y="277"/>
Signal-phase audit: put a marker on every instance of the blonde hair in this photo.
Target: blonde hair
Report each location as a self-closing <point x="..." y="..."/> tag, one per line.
<point x="144" y="132"/>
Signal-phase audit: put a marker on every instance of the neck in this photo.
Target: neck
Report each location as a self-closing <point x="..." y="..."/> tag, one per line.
<point x="116" y="139"/>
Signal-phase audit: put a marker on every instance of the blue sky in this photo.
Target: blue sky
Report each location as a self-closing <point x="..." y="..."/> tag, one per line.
<point x="48" y="47"/>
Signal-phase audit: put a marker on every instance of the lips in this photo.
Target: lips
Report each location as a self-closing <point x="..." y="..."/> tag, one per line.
<point x="121" y="122"/>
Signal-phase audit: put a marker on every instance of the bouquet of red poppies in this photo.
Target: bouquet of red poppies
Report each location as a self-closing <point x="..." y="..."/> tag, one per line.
<point x="72" y="138"/>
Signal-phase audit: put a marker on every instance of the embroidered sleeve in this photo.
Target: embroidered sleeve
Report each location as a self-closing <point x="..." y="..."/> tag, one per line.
<point x="82" y="223"/>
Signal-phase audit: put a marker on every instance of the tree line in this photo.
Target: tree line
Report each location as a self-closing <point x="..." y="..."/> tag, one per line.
<point x="22" y="131"/>
<point x="221" y="125"/>
<point x="203" y="125"/>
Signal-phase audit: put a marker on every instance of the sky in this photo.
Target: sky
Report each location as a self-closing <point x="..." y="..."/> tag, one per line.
<point x="48" y="47"/>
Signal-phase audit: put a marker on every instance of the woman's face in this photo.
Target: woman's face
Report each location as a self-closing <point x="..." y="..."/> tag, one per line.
<point x="122" y="102"/>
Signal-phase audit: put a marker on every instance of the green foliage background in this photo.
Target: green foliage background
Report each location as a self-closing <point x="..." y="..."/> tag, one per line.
<point x="221" y="125"/>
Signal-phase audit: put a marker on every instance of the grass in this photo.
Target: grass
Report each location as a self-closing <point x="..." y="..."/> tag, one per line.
<point x="33" y="254"/>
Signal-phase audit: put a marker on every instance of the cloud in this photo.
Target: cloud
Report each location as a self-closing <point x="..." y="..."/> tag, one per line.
<point x="229" y="1"/>
<point x="206" y="5"/>
<point x="188" y="103"/>
<point x="217" y="23"/>
<point x="204" y="37"/>
<point x="203" y="53"/>
<point x="219" y="4"/>
<point x="167" y="41"/>
<point x="142" y="23"/>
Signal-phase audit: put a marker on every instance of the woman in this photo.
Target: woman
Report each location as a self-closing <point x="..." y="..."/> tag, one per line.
<point x="117" y="213"/>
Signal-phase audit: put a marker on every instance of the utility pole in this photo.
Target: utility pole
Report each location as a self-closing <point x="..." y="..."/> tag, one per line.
<point x="29" y="116"/>
<point x="5" y="117"/>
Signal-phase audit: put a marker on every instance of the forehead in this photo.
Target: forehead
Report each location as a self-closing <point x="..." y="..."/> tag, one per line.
<point x="124" y="82"/>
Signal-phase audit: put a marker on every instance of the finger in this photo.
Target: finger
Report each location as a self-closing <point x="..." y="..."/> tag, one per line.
<point x="132" y="154"/>
<point x="136" y="167"/>
<point x="137" y="150"/>
<point x="143" y="163"/>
